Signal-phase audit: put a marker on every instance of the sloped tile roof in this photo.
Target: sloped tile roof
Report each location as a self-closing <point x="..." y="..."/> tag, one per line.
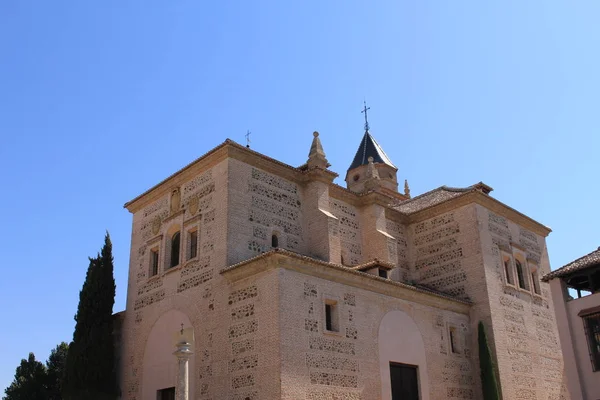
<point x="430" y="198"/>
<point x="589" y="260"/>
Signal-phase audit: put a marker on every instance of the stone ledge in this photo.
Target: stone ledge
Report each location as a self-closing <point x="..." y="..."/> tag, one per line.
<point x="286" y="259"/>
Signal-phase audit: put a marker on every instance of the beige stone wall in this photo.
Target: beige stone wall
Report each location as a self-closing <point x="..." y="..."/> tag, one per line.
<point x="461" y="253"/>
<point x="262" y="204"/>
<point x="525" y="335"/>
<point x="445" y="254"/>
<point x="399" y="233"/>
<point x="349" y="231"/>
<point x="234" y="325"/>
<point x="590" y="383"/>
<point x="319" y="365"/>
<point x="263" y="336"/>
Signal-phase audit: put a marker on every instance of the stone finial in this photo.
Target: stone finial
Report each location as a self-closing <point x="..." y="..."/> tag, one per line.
<point x="406" y="188"/>
<point x="316" y="156"/>
<point x="372" y="172"/>
<point x="373" y="180"/>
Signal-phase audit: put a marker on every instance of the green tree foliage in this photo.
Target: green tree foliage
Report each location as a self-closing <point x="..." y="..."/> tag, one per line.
<point x="486" y="366"/>
<point x="90" y="368"/>
<point x="30" y="381"/>
<point x="55" y="370"/>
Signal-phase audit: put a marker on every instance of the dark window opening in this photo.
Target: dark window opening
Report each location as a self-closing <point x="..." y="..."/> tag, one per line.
<point x="592" y="331"/>
<point x="166" y="394"/>
<point x="520" y="275"/>
<point x="404" y="382"/>
<point x="274" y="241"/>
<point x="175" y="242"/>
<point x="332" y="320"/>
<point x="328" y="317"/>
<point x="507" y="272"/>
<point x="153" y="262"/>
<point x="193" y="244"/>
<point x="383" y="273"/>
<point x="453" y="345"/>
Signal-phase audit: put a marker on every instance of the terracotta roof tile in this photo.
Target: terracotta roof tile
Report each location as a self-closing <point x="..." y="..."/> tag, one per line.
<point x="429" y="199"/>
<point x="589" y="260"/>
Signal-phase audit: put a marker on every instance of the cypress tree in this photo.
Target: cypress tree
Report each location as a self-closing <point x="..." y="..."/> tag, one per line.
<point x="486" y="366"/>
<point x="90" y="367"/>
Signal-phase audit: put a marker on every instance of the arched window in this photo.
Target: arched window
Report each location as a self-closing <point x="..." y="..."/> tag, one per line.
<point x="274" y="240"/>
<point x="175" y="241"/>
<point x="520" y="274"/>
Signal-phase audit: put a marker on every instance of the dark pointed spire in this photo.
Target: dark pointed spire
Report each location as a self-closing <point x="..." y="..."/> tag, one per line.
<point x="369" y="148"/>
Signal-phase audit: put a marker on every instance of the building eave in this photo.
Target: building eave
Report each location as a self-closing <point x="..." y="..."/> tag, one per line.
<point x="286" y="259"/>
<point x="484" y="200"/>
<point x="587" y="262"/>
<point x="227" y="149"/>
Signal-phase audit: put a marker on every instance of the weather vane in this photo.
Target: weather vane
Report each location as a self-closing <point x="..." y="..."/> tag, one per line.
<point x="365" y="109"/>
<point x="248" y="139"/>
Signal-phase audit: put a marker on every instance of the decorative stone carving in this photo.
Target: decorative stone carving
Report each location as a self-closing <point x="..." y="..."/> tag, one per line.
<point x="175" y="200"/>
<point x="193" y="205"/>
<point x="156" y="225"/>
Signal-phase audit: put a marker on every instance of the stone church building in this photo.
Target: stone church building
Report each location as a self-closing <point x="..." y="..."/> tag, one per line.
<point x="298" y="288"/>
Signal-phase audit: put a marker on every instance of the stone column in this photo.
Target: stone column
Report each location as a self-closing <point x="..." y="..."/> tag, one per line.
<point x="183" y="354"/>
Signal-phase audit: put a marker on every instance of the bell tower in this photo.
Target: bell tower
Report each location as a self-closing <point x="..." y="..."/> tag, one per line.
<point x="371" y="166"/>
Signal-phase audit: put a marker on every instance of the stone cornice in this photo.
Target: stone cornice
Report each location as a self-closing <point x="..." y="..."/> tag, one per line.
<point x="229" y="149"/>
<point x="337" y="273"/>
<point x="360" y="199"/>
<point x="197" y="166"/>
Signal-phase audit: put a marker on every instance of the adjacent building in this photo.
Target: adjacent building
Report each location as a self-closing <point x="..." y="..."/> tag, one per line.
<point x="576" y="292"/>
<point x="298" y="288"/>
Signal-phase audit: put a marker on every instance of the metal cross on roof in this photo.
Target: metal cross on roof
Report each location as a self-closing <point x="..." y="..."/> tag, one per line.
<point x="365" y="109"/>
<point x="248" y="139"/>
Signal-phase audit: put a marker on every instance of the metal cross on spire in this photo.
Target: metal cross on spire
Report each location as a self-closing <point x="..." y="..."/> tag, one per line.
<point x="248" y="139"/>
<point x="365" y="109"/>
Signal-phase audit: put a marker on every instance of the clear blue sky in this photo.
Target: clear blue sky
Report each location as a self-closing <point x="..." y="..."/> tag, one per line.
<point x="101" y="100"/>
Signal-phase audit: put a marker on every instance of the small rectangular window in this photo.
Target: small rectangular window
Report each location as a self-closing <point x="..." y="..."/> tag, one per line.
<point x="175" y="243"/>
<point x="331" y="316"/>
<point x="522" y="276"/>
<point x="383" y="273"/>
<point x="453" y="340"/>
<point x="153" y="262"/>
<point x="592" y="331"/>
<point x="193" y="244"/>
